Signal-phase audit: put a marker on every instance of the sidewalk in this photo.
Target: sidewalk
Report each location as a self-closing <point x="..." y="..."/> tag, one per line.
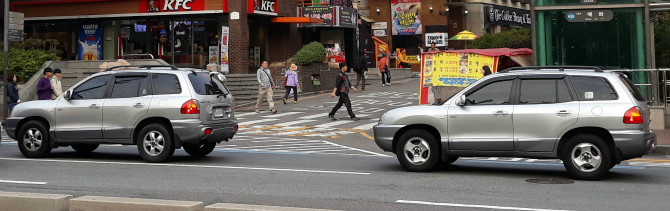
<point x="663" y="142"/>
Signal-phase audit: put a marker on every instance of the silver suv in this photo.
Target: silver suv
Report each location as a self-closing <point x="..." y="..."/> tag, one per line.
<point x="589" y="118"/>
<point x="157" y="108"/>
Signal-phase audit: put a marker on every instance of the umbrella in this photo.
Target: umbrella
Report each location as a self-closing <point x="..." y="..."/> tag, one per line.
<point x="464" y="35"/>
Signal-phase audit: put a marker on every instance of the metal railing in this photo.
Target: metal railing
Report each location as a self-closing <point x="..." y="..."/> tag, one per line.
<point x="656" y="86"/>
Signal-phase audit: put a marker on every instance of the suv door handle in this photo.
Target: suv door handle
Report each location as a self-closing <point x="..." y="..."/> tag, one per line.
<point x="138" y="105"/>
<point x="500" y="114"/>
<point x="94" y="106"/>
<point x="563" y="113"/>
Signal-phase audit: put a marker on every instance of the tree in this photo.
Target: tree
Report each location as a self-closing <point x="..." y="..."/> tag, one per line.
<point x="313" y="52"/>
<point x="515" y="38"/>
<point x="662" y="39"/>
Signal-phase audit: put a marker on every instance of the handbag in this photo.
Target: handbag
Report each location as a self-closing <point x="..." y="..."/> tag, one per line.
<point x="365" y="75"/>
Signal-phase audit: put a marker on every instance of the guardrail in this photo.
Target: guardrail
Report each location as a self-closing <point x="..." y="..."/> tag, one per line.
<point x="656" y="88"/>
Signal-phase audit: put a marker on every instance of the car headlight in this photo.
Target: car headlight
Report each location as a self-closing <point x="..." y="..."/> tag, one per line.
<point x="381" y="119"/>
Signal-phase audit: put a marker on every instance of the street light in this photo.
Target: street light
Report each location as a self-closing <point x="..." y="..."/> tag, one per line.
<point x="377" y="10"/>
<point x="466" y="11"/>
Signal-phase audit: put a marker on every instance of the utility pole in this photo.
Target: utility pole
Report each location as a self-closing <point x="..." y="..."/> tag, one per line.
<point x="5" y="109"/>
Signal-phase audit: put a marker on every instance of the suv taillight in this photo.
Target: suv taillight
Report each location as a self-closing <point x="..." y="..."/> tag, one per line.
<point x="190" y="107"/>
<point x="633" y="116"/>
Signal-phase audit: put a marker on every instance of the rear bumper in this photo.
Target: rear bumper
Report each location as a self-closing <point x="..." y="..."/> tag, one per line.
<point x="192" y="131"/>
<point x="384" y="136"/>
<point x="634" y="143"/>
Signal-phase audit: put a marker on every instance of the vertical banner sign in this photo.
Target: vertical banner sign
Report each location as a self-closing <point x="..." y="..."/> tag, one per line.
<point x="89" y="42"/>
<point x="455" y="69"/>
<point x="405" y="17"/>
<point x="225" y="33"/>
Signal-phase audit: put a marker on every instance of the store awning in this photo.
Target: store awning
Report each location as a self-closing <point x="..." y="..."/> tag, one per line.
<point x="296" y="20"/>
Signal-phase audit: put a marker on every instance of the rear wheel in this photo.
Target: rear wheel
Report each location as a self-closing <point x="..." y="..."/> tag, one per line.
<point x="587" y="157"/>
<point x="417" y="150"/>
<point x="84" y="148"/>
<point x="33" y="140"/>
<point x="199" y="150"/>
<point x="154" y="143"/>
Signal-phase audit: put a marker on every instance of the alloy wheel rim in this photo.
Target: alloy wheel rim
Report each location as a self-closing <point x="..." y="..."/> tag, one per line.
<point x="586" y="157"/>
<point x="153" y="143"/>
<point x="32" y="139"/>
<point x="417" y="151"/>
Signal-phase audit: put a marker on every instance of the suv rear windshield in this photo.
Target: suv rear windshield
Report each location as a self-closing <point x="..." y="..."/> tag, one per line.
<point x="633" y="89"/>
<point x="206" y="84"/>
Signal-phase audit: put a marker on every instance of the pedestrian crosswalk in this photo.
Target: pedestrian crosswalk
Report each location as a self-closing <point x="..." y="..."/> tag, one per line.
<point x="291" y="146"/>
<point x="298" y="123"/>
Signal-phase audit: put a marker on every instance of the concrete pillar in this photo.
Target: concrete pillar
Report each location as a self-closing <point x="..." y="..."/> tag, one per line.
<point x="239" y="38"/>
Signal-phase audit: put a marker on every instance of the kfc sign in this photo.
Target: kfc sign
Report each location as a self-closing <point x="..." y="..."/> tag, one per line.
<point x="265" y="7"/>
<point x="171" y="5"/>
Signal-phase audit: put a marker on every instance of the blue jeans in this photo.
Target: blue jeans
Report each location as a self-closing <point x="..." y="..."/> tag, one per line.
<point x="10" y="106"/>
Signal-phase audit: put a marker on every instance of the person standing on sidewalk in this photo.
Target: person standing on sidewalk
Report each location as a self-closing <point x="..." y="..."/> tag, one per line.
<point x="361" y="69"/>
<point x="266" y="85"/>
<point x="291" y="77"/>
<point x="12" y="92"/>
<point x="44" y="90"/>
<point x="384" y="69"/>
<point x="56" y="85"/>
<point x="342" y="86"/>
<point x="433" y="48"/>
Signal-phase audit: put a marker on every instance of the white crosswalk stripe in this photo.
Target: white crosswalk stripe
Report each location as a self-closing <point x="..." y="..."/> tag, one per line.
<point x="282" y="114"/>
<point x="293" y="146"/>
<point x="335" y="123"/>
<point x="314" y="116"/>
<point x="256" y="121"/>
<point x="366" y="126"/>
<point x="295" y="122"/>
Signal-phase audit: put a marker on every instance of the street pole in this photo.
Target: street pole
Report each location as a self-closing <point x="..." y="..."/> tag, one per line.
<point x="5" y="109"/>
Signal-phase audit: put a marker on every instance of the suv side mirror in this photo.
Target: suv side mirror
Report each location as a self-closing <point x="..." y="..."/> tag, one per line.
<point x="66" y="96"/>
<point x="461" y="101"/>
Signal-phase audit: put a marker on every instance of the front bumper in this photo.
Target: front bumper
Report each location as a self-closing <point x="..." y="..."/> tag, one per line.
<point x="193" y="131"/>
<point x="634" y="143"/>
<point x="384" y="135"/>
<point x="10" y="126"/>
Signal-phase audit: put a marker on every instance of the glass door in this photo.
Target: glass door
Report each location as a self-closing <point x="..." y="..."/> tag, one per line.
<point x="183" y="42"/>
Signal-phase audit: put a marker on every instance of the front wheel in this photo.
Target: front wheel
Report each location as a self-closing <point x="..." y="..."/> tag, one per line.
<point x="33" y="140"/>
<point x="417" y="150"/>
<point x="199" y="150"/>
<point x="587" y="157"/>
<point x="154" y="143"/>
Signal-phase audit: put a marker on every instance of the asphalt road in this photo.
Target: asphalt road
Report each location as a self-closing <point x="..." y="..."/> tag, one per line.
<point x="299" y="158"/>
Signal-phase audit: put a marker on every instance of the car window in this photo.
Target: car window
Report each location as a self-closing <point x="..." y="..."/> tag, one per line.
<point x="145" y="86"/>
<point x="593" y="88"/>
<point x="126" y="87"/>
<point x="496" y="93"/>
<point x="94" y="88"/>
<point x="563" y="92"/>
<point x="633" y="89"/>
<point x="206" y="84"/>
<point x="165" y="84"/>
<point x="537" y="91"/>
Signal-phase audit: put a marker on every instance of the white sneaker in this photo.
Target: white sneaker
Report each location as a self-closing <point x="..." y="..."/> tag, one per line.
<point x="389" y="84"/>
<point x="383" y="84"/>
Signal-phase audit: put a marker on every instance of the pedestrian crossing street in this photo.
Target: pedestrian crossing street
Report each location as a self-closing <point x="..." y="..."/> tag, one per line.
<point x="297" y="123"/>
<point x="300" y="146"/>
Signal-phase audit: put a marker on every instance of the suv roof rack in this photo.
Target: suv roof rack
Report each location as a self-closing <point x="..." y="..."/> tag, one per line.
<point x="172" y="67"/>
<point x="560" y="68"/>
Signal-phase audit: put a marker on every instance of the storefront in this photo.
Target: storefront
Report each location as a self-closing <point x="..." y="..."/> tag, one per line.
<point x="181" y="32"/>
<point x="337" y="32"/>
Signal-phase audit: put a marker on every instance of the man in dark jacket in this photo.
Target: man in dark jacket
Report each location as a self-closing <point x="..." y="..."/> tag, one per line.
<point x="361" y="68"/>
<point x="44" y="90"/>
<point x="342" y="86"/>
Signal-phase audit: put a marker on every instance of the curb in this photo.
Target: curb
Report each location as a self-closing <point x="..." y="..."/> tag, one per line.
<point x="661" y="150"/>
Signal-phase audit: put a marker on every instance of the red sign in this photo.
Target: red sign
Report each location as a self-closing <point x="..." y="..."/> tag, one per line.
<point x="171" y="5"/>
<point x="265" y="7"/>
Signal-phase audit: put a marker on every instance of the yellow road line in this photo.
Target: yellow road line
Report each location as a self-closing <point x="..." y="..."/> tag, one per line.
<point x="265" y="128"/>
<point x="364" y="134"/>
<point x="649" y="160"/>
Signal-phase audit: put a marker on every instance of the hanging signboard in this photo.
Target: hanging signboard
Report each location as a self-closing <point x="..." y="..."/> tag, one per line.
<point x="225" y="33"/>
<point x="508" y="16"/>
<point x="589" y="16"/>
<point x="331" y="16"/>
<point x="265" y="7"/>
<point x="15" y="27"/>
<point x="440" y="39"/>
<point x="405" y="17"/>
<point x="380" y="25"/>
<point x="379" y="33"/>
<point x="347" y="17"/>
<point x="89" y="42"/>
<point x="171" y="5"/>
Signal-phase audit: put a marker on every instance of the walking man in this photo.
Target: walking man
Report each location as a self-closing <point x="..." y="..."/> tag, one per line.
<point x="44" y="90"/>
<point x="266" y="85"/>
<point x="384" y="69"/>
<point x="342" y="86"/>
<point x="56" y="85"/>
<point x="361" y="69"/>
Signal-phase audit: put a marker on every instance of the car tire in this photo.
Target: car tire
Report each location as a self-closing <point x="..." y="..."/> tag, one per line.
<point x="84" y="148"/>
<point x="33" y="140"/>
<point x="199" y="150"/>
<point x="450" y="160"/>
<point x="587" y="157"/>
<point x="417" y="150"/>
<point x="154" y="143"/>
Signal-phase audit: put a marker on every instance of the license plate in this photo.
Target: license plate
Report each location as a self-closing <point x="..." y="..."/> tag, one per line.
<point x="218" y="112"/>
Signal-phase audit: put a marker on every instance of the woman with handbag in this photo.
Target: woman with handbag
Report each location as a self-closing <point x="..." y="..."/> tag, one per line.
<point x="291" y="82"/>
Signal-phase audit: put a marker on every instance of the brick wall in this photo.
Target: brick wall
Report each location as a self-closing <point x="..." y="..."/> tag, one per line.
<point x="239" y="38"/>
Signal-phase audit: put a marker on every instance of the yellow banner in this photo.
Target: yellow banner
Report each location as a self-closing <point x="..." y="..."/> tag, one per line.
<point x="454" y="69"/>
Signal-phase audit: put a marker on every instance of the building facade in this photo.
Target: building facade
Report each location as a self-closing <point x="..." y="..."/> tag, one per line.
<point x="181" y="32"/>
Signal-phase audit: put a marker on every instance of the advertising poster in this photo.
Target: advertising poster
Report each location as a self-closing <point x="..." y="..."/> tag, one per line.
<point x="89" y="42"/>
<point x="405" y="17"/>
<point x="454" y="69"/>
<point x="225" y="33"/>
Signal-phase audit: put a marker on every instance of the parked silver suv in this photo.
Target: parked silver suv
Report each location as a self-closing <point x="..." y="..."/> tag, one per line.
<point x="157" y="108"/>
<point x="589" y="118"/>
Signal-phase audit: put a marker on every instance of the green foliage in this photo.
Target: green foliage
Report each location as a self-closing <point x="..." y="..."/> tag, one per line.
<point x="313" y="52"/>
<point x="26" y="58"/>
<point x="515" y="38"/>
<point x="662" y="39"/>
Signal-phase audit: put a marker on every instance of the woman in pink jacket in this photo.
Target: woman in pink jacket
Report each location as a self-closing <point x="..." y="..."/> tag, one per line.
<point x="292" y="83"/>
